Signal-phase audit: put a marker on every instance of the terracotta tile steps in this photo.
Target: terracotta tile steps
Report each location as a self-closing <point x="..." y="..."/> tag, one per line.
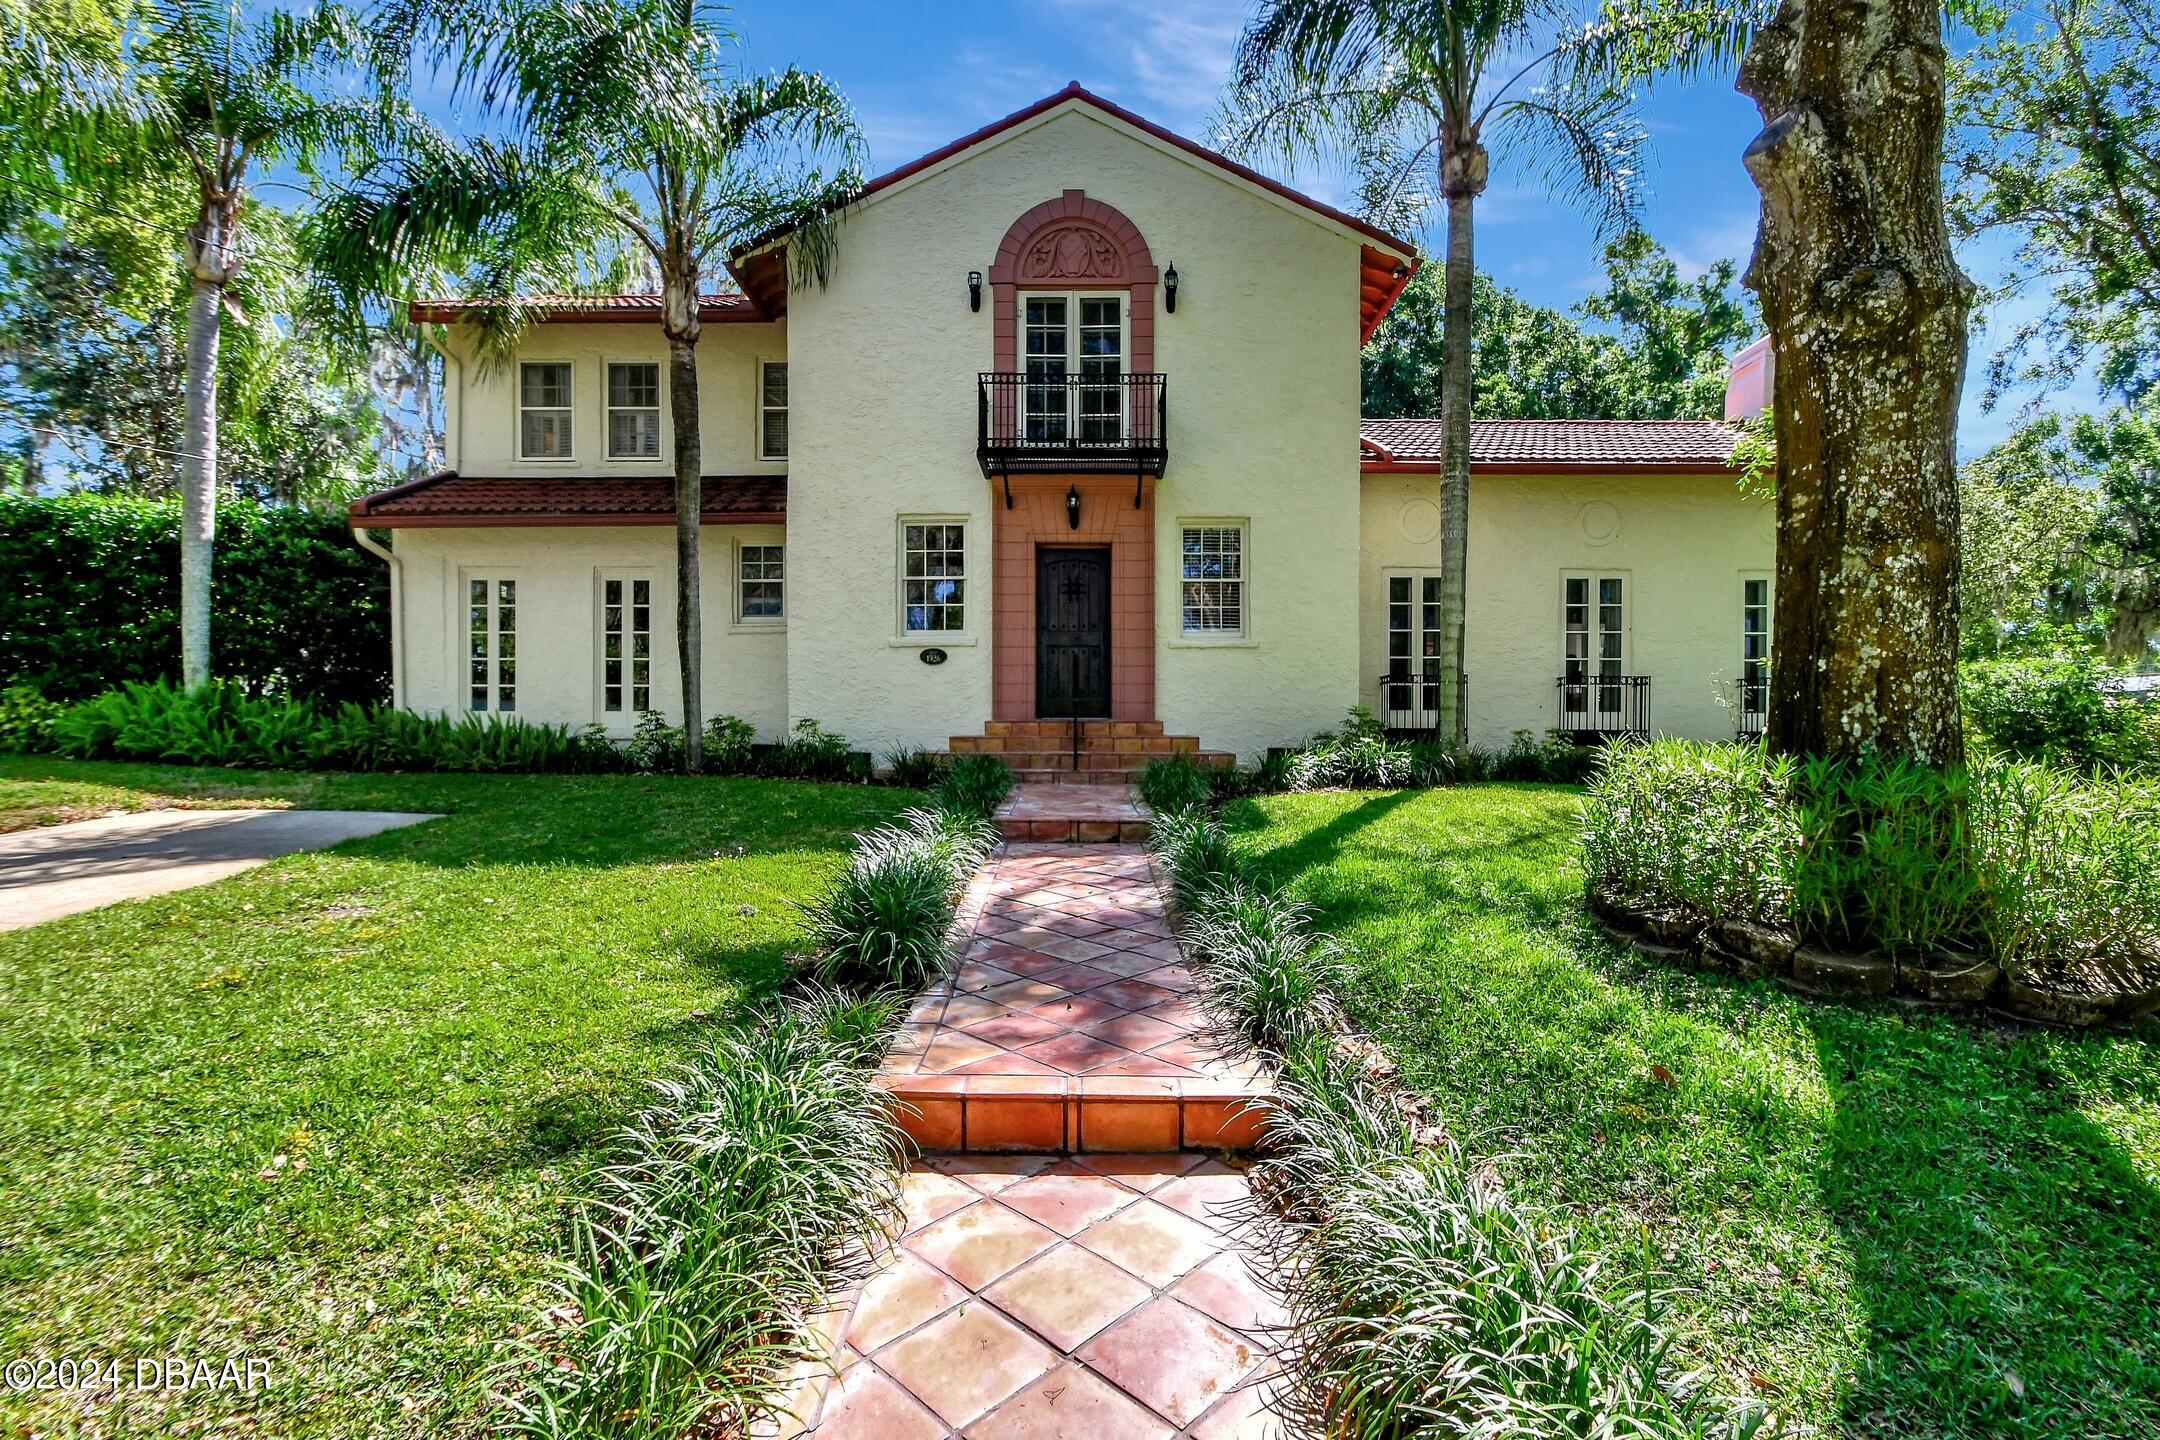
<point x="1074" y="813"/>
<point x="1104" y="1297"/>
<point x="1070" y="1022"/>
<point x="1041" y="751"/>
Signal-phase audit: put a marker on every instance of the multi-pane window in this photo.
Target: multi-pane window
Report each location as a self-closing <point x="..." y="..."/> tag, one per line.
<point x="1593" y="618"/>
<point x="1754" y="651"/>
<point x="544" y="410"/>
<point x="933" y="577"/>
<point x="772" y="410"/>
<point x="633" y="411"/>
<point x="758" y="578"/>
<point x="1412" y="691"/>
<point x="491" y="626"/>
<point x="625" y="644"/>
<point x="1212" y="562"/>
<point x="1072" y="336"/>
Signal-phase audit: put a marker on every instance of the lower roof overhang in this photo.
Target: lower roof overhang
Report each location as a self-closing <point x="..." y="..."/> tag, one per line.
<point x="450" y="501"/>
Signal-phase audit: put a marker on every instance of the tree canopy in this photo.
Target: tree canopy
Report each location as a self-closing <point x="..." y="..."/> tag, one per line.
<point x="1649" y="346"/>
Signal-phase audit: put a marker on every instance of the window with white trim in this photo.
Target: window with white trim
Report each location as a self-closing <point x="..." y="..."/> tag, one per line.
<point x="544" y="410"/>
<point x="772" y="410"/>
<point x="491" y="650"/>
<point x="1075" y="363"/>
<point x="933" y="576"/>
<point x="625" y="643"/>
<point x="759" y="577"/>
<point x="633" y="410"/>
<point x="1412" y="690"/>
<point x="1593" y="628"/>
<point x="1211" y="562"/>
<point x="1755" y="603"/>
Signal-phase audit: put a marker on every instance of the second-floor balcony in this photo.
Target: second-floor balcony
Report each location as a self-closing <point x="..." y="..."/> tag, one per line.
<point x="1034" y="424"/>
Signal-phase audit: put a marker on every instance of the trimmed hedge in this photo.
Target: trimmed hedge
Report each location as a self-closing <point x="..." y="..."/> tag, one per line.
<point x="92" y="599"/>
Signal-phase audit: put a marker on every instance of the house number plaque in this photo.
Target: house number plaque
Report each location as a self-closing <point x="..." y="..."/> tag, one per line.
<point x="933" y="656"/>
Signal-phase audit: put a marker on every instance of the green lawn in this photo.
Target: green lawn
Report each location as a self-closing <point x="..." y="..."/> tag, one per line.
<point x="1888" y="1222"/>
<point x="325" y="1112"/>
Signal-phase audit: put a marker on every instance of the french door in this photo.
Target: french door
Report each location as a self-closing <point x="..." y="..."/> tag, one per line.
<point x="1410" y="693"/>
<point x="1075" y="358"/>
<point x="1593" y="622"/>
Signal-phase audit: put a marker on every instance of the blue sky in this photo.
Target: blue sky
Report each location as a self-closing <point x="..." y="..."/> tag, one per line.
<point x="921" y="75"/>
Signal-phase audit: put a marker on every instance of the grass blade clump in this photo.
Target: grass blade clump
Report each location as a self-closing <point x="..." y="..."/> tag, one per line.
<point x="699" y="1259"/>
<point x="1195" y="849"/>
<point x="2071" y="868"/>
<point x="885" y="918"/>
<point x="1707" y="828"/>
<point x="1270" y="975"/>
<point x="974" y="785"/>
<point x="1172" y="782"/>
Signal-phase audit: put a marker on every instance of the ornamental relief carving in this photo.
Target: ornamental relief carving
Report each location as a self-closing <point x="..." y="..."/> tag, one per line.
<point x="1072" y="252"/>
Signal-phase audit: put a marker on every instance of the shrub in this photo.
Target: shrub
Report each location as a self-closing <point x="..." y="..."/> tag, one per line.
<point x="974" y="785"/>
<point x="26" y="718"/>
<point x="2050" y="708"/>
<point x="767" y="1168"/>
<point x="1270" y="976"/>
<point x="93" y="598"/>
<point x="885" y="918"/>
<point x="1708" y="828"/>
<point x="728" y="744"/>
<point x="1885" y="860"/>
<point x="2071" y="868"/>
<point x="1553" y="757"/>
<point x="655" y="747"/>
<point x="811" y="752"/>
<point x="1195" y="849"/>
<point x="913" y="767"/>
<point x="1361" y="756"/>
<point x="1172" y="782"/>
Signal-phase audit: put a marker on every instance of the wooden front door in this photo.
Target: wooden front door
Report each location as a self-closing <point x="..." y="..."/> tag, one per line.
<point x="1072" y="632"/>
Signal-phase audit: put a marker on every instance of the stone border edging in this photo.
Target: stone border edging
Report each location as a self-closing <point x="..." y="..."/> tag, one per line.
<point x="1942" y="980"/>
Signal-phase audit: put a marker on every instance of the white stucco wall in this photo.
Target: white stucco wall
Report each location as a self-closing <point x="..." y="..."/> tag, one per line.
<point x="1263" y="394"/>
<point x="483" y="423"/>
<point x="557" y="570"/>
<point x="1682" y="543"/>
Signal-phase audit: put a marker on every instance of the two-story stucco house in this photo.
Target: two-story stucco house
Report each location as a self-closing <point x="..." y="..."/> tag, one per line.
<point x="1073" y="429"/>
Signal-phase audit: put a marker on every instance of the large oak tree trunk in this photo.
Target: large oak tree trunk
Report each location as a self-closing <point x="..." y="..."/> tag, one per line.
<point x="1462" y="178"/>
<point x="1867" y="312"/>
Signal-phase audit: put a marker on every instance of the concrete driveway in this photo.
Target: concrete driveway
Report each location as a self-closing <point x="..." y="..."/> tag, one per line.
<point x="61" y="869"/>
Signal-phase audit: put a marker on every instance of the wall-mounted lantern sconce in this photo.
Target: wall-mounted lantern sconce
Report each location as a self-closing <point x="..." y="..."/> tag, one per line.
<point x="1072" y="506"/>
<point x="974" y="289"/>
<point x="1402" y="272"/>
<point x="1169" y="288"/>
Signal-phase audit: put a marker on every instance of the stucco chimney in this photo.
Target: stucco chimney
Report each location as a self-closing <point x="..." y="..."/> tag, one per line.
<point x="1747" y="381"/>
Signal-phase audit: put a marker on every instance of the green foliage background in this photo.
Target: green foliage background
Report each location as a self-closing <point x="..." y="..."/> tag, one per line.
<point x="92" y="598"/>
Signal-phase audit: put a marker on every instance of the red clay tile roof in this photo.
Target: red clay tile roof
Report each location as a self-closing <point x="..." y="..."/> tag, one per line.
<point x="1550" y="446"/>
<point x="714" y="306"/>
<point x="450" y="499"/>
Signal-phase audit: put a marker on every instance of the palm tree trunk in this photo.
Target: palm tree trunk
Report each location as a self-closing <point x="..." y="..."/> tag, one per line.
<point x="689" y="503"/>
<point x="1455" y="403"/>
<point x="1867" y="314"/>
<point x="198" y="479"/>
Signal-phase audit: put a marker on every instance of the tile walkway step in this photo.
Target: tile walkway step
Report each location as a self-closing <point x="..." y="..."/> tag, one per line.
<point x="1073" y="812"/>
<point x="1099" y="1298"/>
<point x="1064" y="727"/>
<point x="1069" y="1023"/>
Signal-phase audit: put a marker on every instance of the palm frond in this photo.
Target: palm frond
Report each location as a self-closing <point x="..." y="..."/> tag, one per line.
<point x="1583" y="145"/>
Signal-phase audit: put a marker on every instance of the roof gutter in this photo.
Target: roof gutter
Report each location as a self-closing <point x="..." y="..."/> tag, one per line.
<point x="397" y="612"/>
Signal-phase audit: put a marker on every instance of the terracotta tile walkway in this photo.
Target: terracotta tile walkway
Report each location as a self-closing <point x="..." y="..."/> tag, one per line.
<point x="1069" y="1023"/>
<point x="1097" y="1298"/>
<point x="1074" y="811"/>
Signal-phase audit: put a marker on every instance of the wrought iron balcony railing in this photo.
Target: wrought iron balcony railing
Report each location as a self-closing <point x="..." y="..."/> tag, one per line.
<point x="1407" y="699"/>
<point x="1038" y="424"/>
<point x="1751" y="712"/>
<point x="1599" y="707"/>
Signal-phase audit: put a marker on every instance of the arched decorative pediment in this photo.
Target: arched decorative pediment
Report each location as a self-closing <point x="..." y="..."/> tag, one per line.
<point x="1072" y="252"/>
<point x="1074" y="242"/>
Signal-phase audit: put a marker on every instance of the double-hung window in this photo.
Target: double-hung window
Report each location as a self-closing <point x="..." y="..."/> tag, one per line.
<point x="758" y="579"/>
<point x="1754" y="653"/>
<point x="772" y="410"/>
<point x="1593" y="624"/>
<point x="544" y="410"/>
<point x="1211" y="560"/>
<point x="933" y="577"/>
<point x="625" y="643"/>
<point x="1075" y="367"/>
<point x="633" y="411"/>
<point x="491" y="649"/>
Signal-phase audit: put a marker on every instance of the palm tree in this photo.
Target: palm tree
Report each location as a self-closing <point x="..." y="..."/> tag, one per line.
<point x="189" y="87"/>
<point x="634" y="130"/>
<point x="1413" y="93"/>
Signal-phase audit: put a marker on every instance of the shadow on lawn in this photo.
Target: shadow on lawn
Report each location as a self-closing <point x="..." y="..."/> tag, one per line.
<point x="2005" y="1250"/>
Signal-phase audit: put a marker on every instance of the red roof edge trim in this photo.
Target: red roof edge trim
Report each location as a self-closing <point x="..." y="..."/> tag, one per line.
<point x="540" y="519"/>
<point x="360" y="509"/>
<point x="1550" y="467"/>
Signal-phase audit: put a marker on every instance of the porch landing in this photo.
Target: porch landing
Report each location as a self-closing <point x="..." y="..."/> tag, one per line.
<point x="1074" y="814"/>
<point x="1070" y="1023"/>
